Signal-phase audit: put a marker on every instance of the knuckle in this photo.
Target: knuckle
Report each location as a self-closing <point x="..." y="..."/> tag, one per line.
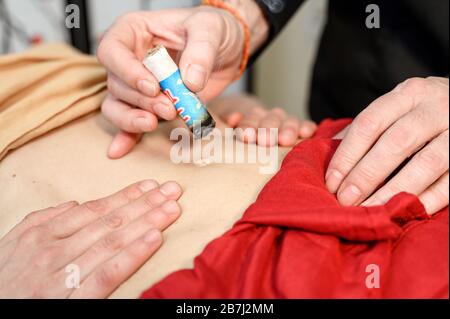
<point x="400" y="140"/>
<point x="211" y="18"/>
<point x="440" y="194"/>
<point x="366" y="176"/>
<point x="415" y="85"/>
<point x="256" y="110"/>
<point x="132" y="193"/>
<point x="278" y="111"/>
<point x="112" y="242"/>
<point x="342" y="161"/>
<point x="142" y="101"/>
<point x="155" y="218"/>
<point x="270" y="122"/>
<point x="32" y="235"/>
<point x="431" y="161"/>
<point x="114" y="221"/>
<point x="366" y="125"/>
<point x="46" y="256"/>
<point x="106" y="277"/>
<point x="32" y="217"/>
<point x="127" y="17"/>
<point x="99" y="206"/>
<point x="153" y="199"/>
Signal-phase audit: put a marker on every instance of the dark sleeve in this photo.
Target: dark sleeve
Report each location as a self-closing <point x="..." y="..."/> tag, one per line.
<point x="278" y="13"/>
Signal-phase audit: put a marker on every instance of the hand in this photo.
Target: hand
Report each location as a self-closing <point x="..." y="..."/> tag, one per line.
<point x="406" y="126"/>
<point x="249" y="114"/>
<point x="106" y="239"/>
<point x="206" y="42"/>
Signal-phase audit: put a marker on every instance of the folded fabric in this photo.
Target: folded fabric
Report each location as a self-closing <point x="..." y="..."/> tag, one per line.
<point x="296" y="241"/>
<point x="44" y="88"/>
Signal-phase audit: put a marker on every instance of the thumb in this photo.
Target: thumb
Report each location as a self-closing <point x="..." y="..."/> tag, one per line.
<point x="204" y="33"/>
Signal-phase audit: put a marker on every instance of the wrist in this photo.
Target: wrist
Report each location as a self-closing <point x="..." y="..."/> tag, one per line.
<point x="255" y="20"/>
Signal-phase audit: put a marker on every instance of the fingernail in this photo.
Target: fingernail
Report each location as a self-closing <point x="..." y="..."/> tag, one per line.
<point x="196" y="75"/>
<point x="148" y="185"/>
<point x="349" y="196"/>
<point x="163" y="111"/>
<point x="152" y="236"/>
<point x="148" y="88"/>
<point x="143" y="124"/>
<point x="170" y="207"/>
<point x="168" y="189"/>
<point x="333" y="179"/>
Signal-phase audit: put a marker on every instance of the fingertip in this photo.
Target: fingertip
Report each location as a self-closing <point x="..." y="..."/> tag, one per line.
<point x="122" y="144"/>
<point x="195" y="77"/>
<point x="307" y="129"/>
<point x="233" y="119"/>
<point x="266" y="137"/>
<point x="171" y="189"/>
<point x="287" y="137"/>
<point x="247" y="135"/>
<point x="153" y="237"/>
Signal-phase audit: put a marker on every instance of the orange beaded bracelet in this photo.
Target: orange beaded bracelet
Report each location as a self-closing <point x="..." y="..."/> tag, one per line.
<point x="247" y="36"/>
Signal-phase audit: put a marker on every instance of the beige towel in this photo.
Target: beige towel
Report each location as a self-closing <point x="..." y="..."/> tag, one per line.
<point x="44" y="88"/>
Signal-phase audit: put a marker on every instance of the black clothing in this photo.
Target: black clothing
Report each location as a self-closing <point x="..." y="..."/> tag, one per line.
<point x="356" y="64"/>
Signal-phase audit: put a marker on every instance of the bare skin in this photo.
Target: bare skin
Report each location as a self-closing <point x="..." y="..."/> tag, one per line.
<point x="106" y="239"/>
<point x="70" y="164"/>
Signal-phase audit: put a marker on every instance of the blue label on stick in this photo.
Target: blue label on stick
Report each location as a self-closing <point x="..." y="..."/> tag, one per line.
<point x="188" y="105"/>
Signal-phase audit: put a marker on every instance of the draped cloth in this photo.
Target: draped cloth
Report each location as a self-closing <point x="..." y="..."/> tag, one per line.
<point x="44" y="88"/>
<point x="296" y="241"/>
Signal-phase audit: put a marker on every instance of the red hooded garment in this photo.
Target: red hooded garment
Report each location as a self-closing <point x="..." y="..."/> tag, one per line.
<point x="296" y="241"/>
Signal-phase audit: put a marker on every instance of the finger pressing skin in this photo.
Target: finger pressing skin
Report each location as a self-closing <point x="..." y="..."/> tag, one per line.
<point x="247" y="129"/>
<point x="307" y="129"/>
<point x="107" y="277"/>
<point x="121" y="61"/>
<point x="270" y="125"/>
<point x="122" y="144"/>
<point x="436" y="196"/>
<point x="157" y="218"/>
<point x="119" y="219"/>
<point x="75" y="219"/>
<point x="289" y="132"/>
<point x="36" y="218"/>
<point x="367" y="128"/>
<point x="159" y="105"/>
<point x="233" y="119"/>
<point x="127" y="118"/>
<point x="392" y="148"/>
<point x="422" y="170"/>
